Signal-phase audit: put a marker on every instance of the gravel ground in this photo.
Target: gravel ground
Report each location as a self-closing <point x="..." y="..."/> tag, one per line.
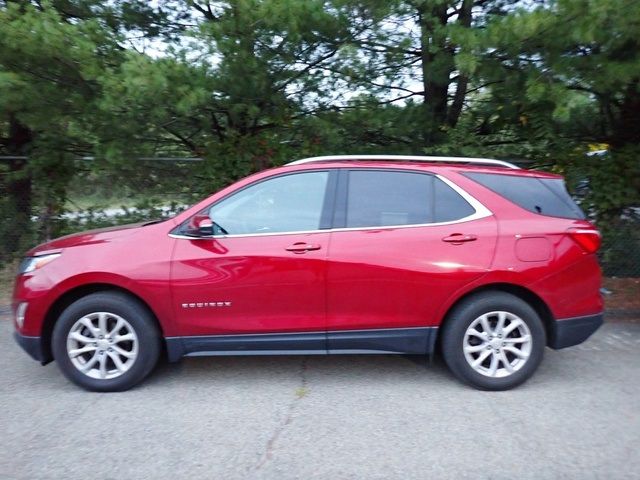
<point x="387" y="417"/>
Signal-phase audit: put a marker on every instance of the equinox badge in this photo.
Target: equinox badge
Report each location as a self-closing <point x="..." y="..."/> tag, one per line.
<point x="206" y="304"/>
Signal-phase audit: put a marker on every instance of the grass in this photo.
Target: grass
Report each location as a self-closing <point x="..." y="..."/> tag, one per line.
<point x="302" y="392"/>
<point x="7" y="274"/>
<point x="99" y="202"/>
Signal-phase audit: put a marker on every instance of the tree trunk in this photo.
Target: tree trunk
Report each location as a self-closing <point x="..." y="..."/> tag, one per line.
<point x="464" y="19"/>
<point x="18" y="187"/>
<point x="626" y="124"/>
<point x="437" y="66"/>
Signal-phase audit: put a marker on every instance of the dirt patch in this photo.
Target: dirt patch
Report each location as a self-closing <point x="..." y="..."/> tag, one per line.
<point x="623" y="301"/>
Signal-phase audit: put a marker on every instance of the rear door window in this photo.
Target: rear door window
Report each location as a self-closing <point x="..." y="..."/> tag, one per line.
<point x="377" y="198"/>
<point x="545" y="196"/>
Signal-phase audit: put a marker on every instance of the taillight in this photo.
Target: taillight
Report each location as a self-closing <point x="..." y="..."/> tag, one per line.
<point x="587" y="238"/>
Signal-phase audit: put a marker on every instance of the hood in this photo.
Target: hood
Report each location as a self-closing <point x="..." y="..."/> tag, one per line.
<point x="90" y="237"/>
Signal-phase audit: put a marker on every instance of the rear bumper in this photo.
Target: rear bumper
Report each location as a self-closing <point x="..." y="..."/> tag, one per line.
<point x="31" y="345"/>
<point x="572" y="331"/>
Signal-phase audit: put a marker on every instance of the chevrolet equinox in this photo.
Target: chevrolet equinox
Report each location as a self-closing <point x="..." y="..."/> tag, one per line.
<point x="477" y="259"/>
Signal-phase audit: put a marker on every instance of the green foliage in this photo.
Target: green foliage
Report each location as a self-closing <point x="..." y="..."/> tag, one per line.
<point x="620" y="252"/>
<point x="142" y="211"/>
<point x="248" y="84"/>
<point x="569" y="54"/>
<point x="613" y="182"/>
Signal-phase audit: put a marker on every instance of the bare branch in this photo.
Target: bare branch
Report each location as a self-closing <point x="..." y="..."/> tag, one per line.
<point x="206" y="10"/>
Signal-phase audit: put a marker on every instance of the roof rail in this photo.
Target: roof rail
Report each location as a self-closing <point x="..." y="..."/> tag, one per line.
<point x="406" y="158"/>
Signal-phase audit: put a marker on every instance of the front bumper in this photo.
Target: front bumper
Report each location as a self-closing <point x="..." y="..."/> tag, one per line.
<point x="572" y="331"/>
<point x="31" y="345"/>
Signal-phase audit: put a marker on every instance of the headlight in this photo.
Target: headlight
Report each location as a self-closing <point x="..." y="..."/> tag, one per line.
<point x="31" y="264"/>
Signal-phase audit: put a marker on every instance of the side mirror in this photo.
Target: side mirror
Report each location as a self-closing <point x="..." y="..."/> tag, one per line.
<point x="201" y="225"/>
<point x="205" y="226"/>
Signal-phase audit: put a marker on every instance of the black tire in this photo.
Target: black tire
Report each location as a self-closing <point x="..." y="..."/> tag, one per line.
<point x="461" y="318"/>
<point x="138" y="318"/>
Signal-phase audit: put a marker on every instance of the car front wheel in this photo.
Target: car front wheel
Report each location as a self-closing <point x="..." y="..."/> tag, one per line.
<point x="106" y="342"/>
<point x="493" y="341"/>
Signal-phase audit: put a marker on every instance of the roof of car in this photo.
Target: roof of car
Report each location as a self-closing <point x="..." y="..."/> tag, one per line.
<point x="407" y="158"/>
<point x="460" y="164"/>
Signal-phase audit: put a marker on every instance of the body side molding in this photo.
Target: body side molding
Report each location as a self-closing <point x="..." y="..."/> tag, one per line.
<point x="413" y="340"/>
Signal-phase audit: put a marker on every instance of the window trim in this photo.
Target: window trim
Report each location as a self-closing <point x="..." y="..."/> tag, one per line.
<point x="335" y="198"/>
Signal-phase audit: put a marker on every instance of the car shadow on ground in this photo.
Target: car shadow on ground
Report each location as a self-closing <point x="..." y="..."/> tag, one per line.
<point x="557" y="371"/>
<point x="256" y="368"/>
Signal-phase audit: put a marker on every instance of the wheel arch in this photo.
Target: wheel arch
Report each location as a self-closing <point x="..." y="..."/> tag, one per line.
<point x="70" y="296"/>
<point x="530" y="297"/>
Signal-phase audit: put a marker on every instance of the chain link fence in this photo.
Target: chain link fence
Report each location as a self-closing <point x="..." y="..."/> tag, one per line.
<point x="148" y="189"/>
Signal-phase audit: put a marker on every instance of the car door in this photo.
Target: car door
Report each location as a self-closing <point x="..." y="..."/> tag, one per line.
<point x="264" y="268"/>
<point x="404" y="242"/>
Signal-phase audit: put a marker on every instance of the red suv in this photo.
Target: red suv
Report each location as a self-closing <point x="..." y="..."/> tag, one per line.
<point x="476" y="258"/>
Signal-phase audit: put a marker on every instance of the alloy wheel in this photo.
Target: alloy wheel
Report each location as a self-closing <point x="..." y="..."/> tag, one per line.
<point x="497" y="344"/>
<point x="102" y="345"/>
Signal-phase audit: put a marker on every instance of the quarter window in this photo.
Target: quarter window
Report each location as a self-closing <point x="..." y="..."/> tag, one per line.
<point x="283" y="204"/>
<point x="544" y="196"/>
<point x="449" y="205"/>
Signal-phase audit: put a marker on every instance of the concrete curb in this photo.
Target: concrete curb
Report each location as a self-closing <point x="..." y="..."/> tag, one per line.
<point x="621" y="314"/>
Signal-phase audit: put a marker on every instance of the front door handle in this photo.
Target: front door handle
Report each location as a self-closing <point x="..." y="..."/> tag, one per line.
<point x="302" y="247"/>
<point x="458" y="238"/>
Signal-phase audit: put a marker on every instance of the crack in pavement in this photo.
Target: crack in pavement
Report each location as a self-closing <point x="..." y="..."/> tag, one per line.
<point x="299" y="395"/>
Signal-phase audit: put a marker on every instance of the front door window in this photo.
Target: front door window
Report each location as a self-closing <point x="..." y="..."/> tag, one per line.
<point x="290" y="203"/>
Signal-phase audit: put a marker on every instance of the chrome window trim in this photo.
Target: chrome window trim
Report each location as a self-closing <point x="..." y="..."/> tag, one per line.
<point x="406" y="158"/>
<point x="480" y="212"/>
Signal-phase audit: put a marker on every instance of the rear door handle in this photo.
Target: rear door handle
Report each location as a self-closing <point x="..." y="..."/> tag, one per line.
<point x="302" y="247"/>
<point x="459" y="238"/>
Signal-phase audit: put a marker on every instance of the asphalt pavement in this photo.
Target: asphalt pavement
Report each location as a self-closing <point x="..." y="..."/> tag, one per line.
<point x="340" y="417"/>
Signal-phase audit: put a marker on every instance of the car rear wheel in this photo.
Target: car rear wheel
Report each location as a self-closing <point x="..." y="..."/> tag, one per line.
<point x="493" y="341"/>
<point x="106" y="342"/>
